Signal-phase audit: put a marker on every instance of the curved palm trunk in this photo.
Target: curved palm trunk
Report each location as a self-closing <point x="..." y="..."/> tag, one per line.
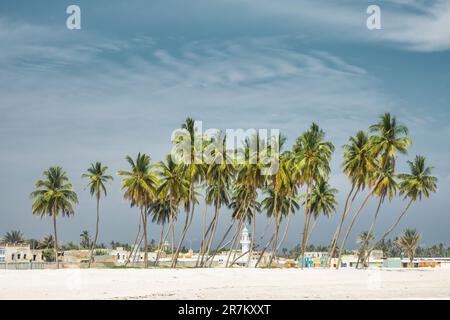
<point x="56" y="239"/>
<point x="96" y="231"/>
<point x="355" y="216"/>
<point x="313" y="227"/>
<point x="287" y="224"/>
<point x="275" y="240"/>
<point x="264" y="250"/>
<point x="233" y="240"/>
<point x="339" y="227"/>
<point x="134" y="245"/>
<point x="220" y="243"/>
<point x="212" y="234"/>
<point x="204" y="233"/>
<point x="392" y="227"/>
<point x="365" y="253"/>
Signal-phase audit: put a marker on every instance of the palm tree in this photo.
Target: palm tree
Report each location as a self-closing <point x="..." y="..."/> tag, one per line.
<point x="97" y="179"/>
<point x="362" y="240"/>
<point x="160" y="212"/>
<point x="173" y="187"/>
<point x="358" y="165"/>
<point x="192" y="170"/>
<point x="85" y="240"/>
<point x="140" y="185"/>
<point x="323" y="202"/>
<point x="409" y="242"/>
<point x="250" y="177"/>
<point x="311" y="163"/>
<point x="413" y="186"/>
<point x="13" y="237"/>
<point x="47" y="242"/>
<point x="54" y="196"/>
<point x="218" y="180"/>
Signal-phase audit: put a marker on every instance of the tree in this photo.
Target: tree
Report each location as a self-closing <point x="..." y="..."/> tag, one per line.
<point x="358" y="165"/>
<point x="140" y="185"/>
<point x="362" y="240"/>
<point x="409" y="242"/>
<point x="13" y="237"/>
<point x="97" y="185"/>
<point x="47" y="242"/>
<point x="85" y="240"/>
<point x="173" y="188"/>
<point x="413" y="186"/>
<point x="312" y="163"/>
<point x="54" y="196"/>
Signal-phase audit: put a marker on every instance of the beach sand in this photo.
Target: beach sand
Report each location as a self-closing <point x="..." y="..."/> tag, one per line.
<point x="225" y="284"/>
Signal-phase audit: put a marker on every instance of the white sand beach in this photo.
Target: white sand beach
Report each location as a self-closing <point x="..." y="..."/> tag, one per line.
<point x="225" y="284"/>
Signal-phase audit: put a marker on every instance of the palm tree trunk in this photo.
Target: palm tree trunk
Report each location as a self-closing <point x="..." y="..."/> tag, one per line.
<point x="144" y="223"/>
<point x="275" y="240"/>
<point x="180" y="242"/>
<point x="96" y="231"/>
<point x="305" y="223"/>
<point x="392" y="227"/>
<point x="161" y="243"/>
<point x="204" y="233"/>
<point x="56" y="239"/>
<point x="135" y="243"/>
<point x="220" y="243"/>
<point x="287" y="224"/>
<point x="372" y="226"/>
<point x="313" y="227"/>
<point x="212" y="234"/>
<point x="339" y="227"/>
<point x="342" y="248"/>
<point x="252" y="242"/>
<point x="235" y="237"/>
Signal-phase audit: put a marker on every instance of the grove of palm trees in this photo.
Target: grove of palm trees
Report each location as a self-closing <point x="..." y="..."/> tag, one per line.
<point x="170" y="192"/>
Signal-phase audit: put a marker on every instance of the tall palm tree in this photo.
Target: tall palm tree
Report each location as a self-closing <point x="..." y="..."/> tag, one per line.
<point x="160" y="212"/>
<point x="218" y="180"/>
<point x="250" y="177"/>
<point x="175" y="188"/>
<point x="193" y="170"/>
<point x="97" y="185"/>
<point x="85" y="240"/>
<point x="312" y="163"/>
<point x="140" y="185"/>
<point x="358" y="165"/>
<point x="409" y="242"/>
<point x="13" y="237"/>
<point x="413" y="186"/>
<point x="54" y="196"/>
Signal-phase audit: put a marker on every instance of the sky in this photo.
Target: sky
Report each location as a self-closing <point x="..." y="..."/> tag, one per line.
<point x="136" y="69"/>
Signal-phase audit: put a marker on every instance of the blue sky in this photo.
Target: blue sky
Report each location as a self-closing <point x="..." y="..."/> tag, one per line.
<point x="137" y="69"/>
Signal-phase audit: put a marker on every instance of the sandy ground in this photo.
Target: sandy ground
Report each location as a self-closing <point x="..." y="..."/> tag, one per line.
<point x="225" y="284"/>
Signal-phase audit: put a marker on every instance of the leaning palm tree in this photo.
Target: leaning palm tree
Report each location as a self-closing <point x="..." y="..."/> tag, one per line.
<point x="413" y="186"/>
<point x="160" y="212"/>
<point x="362" y="240"/>
<point x="409" y="242"/>
<point x="13" y="237"/>
<point x="54" y="196"/>
<point x="358" y="165"/>
<point x="140" y="185"/>
<point x="97" y="185"/>
<point x="311" y="163"/>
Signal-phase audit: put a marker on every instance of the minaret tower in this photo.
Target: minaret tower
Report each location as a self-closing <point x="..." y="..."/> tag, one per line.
<point x="245" y="240"/>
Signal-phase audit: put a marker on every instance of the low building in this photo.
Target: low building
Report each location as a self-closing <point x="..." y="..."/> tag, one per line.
<point x="19" y="253"/>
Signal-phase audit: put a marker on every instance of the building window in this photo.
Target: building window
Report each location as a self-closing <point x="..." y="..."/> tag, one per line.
<point x="34" y="257"/>
<point x="25" y="256"/>
<point x="12" y="257"/>
<point x="2" y="259"/>
<point x="2" y="252"/>
<point x="18" y="256"/>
